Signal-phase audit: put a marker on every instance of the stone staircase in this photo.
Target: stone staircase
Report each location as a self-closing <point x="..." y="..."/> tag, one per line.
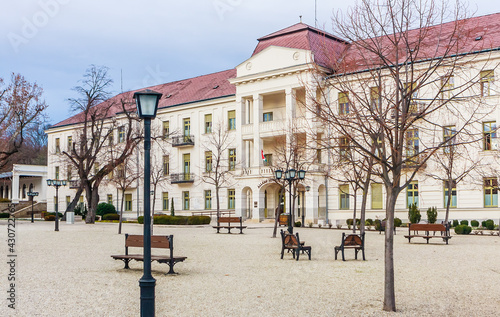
<point x="23" y="209"/>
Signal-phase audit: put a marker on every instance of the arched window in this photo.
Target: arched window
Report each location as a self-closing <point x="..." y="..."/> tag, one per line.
<point x="24" y="191"/>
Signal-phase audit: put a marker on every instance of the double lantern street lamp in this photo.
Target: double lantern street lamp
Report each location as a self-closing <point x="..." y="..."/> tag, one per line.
<point x="32" y="195"/>
<point x="56" y="183"/>
<point x="147" y="104"/>
<point x="290" y="176"/>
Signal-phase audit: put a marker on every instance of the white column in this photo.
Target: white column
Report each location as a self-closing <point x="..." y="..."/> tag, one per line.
<point x="240" y="117"/>
<point x="257" y="141"/>
<point x="15" y="186"/>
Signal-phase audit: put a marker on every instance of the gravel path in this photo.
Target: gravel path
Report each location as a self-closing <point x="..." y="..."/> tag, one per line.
<point x="71" y="273"/>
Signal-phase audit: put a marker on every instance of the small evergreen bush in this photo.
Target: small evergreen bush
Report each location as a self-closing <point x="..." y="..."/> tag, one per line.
<point x="489" y="224"/>
<point x="432" y="214"/>
<point x="397" y="222"/>
<point x="369" y="222"/>
<point x="4" y="215"/>
<point x="464" y="222"/>
<point x="414" y="214"/>
<point x="455" y="223"/>
<point x="105" y="208"/>
<point x="349" y="222"/>
<point x="463" y="229"/>
<point x="474" y="223"/>
<point x="297" y="224"/>
<point x="111" y="217"/>
<point x="377" y="224"/>
<point x="198" y="220"/>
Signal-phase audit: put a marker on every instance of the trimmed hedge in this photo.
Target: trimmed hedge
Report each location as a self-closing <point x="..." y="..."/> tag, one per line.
<point x="4" y="215"/>
<point x="463" y="229"/>
<point x="349" y="221"/>
<point x="50" y="218"/>
<point x="464" y="222"/>
<point x="297" y="224"/>
<point x="104" y="209"/>
<point x="397" y="222"/>
<point x="111" y="217"/>
<point x="474" y="223"/>
<point x="177" y="220"/>
<point x="455" y="223"/>
<point x="369" y="222"/>
<point x="489" y="224"/>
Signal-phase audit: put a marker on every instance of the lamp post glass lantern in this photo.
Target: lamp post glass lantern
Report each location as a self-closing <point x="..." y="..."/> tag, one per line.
<point x="56" y="183"/>
<point x="290" y="176"/>
<point x="147" y="104"/>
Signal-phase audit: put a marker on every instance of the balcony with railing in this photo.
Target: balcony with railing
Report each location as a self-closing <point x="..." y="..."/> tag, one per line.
<point x="180" y="178"/>
<point x="183" y="140"/>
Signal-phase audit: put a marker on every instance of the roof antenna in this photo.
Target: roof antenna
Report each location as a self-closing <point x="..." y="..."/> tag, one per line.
<point x="300" y="17"/>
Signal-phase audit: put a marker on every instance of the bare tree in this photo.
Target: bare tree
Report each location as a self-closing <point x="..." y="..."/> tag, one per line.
<point x="95" y="152"/>
<point x="21" y="113"/>
<point x="400" y="52"/>
<point x="219" y="166"/>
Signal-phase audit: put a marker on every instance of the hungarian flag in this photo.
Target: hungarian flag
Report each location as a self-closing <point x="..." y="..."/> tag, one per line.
<point x="263" y="157"/>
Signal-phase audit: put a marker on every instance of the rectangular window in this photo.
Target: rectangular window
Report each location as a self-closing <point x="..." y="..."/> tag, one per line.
<point x="164" y="200"/>
<point x="489" y="135"/>
<point x="377" y="196"/>
<point x="208" y="123"/>
<point x="343" y="103"/>
<point x="185" y="200"/>
<point x="80" y="202"/>
<point x="70" y="143"/>
<point x="344" y="153"/>
<point x="412" y="146"/>
<point x="268" y="116"/>
<point x="231" y="200"/>
<point x="344" y="196"/>
<point x="68" y="172"/>
<point x="412" y="194"/>
<point x="412" y="93"/>
<point x="491" y="192"/>
<point x="166" y="129"/>
<point x="318" y="156"/>
<point x="447" y="84"/>
<point x="120" y="171"/>
<point x="121" y="134"/>
<point x="58" y="146"/>
<point x="232" y="159"/>
<point x="186" y="158"/>
<point x="448" y="138"/>
<point x="487" y="79"/>
<point x="110" y="199"/>
<point x="187" y="127"/>
<point x="68" y="201"/>
<point x="453" y="202"/>
<point x="208" y="161"/>
<point x="231" y="119"/>
<point x="128" y="202"/>
<point x="57" y="172"/>
<point x="166" y="165"/>
<point x="208" y="199"/>
<point x="375" y="99"/>
<point x="268" y="160"/>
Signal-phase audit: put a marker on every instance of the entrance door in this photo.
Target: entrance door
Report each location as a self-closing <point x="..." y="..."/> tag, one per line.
<point x="265" y="204"/>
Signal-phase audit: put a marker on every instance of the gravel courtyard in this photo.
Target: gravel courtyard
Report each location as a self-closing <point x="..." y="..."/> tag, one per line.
<point x="71" y="273"/>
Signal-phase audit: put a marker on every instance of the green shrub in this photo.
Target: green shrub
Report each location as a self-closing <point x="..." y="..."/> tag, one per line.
<point x="377" y="224"/>
<point x="474" y="223"/>
<point x="432" y="214"/>
<point x="50" y="218"/>
<point x="463" y="229"/>
<point x="111" y="217"/>
<point x="54" y="214"/>
<point x="369" y="222"/>
<point x="349" y="221"/>
<point x="414" y="214"/>
<point x="455" y="223"/>
<point x="4" y="215"/>
<point x="140" y="219"/>
<point x="105" y="208"/>
<point x="397" y="222"/>
<point x="297" y="224"/>
<point x="464" y="222"/>
<point x="489" y="224"/>
<point x="198" y="220"/>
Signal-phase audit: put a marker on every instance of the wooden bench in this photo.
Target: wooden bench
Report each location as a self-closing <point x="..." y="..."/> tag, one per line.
<point x="351" y="241"/>
<point x="229" y="221"/>
<point x="292" y="242"/>
<point x="423" y="230"/>
<point x="283" y="220"/>
<point x="160" y="242"/>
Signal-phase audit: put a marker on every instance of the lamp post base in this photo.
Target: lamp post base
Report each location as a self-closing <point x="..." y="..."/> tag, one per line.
<point x="147" y="286"/>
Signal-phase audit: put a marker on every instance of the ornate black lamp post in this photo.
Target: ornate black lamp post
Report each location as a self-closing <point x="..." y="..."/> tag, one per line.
<point x="147" y="104"/>
<point x="290" y="176"/>
<point x="32" y="195"/>
<point x="56" y="183"/>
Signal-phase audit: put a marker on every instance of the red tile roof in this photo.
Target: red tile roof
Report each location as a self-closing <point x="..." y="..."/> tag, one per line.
<point x="180" y="92"/>
<point x="302" y="36"/>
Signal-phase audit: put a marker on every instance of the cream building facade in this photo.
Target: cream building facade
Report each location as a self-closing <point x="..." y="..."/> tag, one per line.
<point x="258" y="102"/>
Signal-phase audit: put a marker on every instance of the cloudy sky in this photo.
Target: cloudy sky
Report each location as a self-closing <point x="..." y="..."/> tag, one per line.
<point x="149" y="42"/>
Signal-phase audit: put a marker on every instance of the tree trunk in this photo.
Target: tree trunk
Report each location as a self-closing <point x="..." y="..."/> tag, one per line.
<point x="218" y="204"/>
<point x="389" y="294"/>
<point x="354" y="212"/>
<point x="121" y="214"/>
<point x="92" y="201"/>
<point x="74" y="202"/>
<point x="363" y="211"/>
<point x="448" y="203"/>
